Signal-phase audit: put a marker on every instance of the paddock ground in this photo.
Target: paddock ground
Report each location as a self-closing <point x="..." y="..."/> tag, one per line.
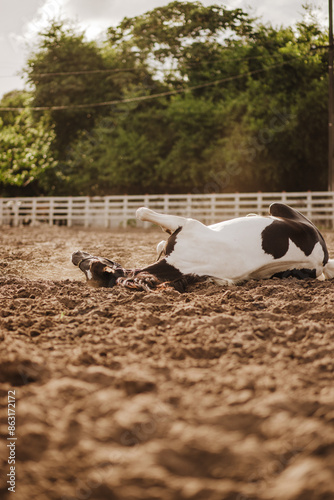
<point x="221" y="393"/>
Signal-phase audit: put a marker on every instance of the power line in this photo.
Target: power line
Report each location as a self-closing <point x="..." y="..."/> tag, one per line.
<point x="81" y="72"/>
<point x="233" y="59"/>
<point x="120" y="70"/>
<point x="147" y="97"/>
<point x="85" y="72"/>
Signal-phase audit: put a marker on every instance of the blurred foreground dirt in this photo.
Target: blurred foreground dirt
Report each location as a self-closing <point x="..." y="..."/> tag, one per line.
<point x="219" y="393"/>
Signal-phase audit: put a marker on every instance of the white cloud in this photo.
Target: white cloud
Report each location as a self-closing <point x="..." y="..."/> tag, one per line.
<point x="48" y="10"/>
<point x="21" y="20"/>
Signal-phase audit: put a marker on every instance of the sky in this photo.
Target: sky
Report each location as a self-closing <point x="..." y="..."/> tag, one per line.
<point x="21" y="20"/>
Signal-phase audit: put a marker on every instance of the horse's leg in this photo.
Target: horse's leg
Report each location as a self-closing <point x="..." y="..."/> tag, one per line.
<point x="169" y="223"/>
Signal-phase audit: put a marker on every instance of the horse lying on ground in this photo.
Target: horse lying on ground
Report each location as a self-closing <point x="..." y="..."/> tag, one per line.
<point x="282" y="244"/>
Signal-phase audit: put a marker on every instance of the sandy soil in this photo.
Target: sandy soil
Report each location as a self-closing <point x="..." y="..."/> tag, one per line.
<point x="219" y="393"/>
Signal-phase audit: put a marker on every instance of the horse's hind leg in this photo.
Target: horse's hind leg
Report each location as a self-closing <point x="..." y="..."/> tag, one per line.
<point x="168" y="223"/>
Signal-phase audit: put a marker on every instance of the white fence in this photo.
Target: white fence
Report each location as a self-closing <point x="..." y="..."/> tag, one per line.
<point x="119" y="211"/>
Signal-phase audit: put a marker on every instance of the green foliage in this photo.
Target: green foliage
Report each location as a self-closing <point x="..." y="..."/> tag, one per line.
<point x="120" y="155"/>
<point x="62" y="50"/>
<point x="14" y="99"/>
<point x="26" y="161"/>
<point x="171" y="30"/>
<point x="262" y="126"/>
<point x="68" y="71"/>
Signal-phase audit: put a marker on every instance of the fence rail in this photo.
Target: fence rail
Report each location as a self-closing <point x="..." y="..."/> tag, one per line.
<point x="119" y="211"/>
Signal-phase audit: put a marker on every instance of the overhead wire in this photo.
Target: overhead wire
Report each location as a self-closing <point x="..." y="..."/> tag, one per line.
<point x="120" y="70"/>
<point x="147" y="97"/>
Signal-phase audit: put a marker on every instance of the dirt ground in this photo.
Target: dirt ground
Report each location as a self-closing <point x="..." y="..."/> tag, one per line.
<point x="218" y="393"/>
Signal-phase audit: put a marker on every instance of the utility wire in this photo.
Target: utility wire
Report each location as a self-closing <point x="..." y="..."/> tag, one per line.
<point x="146" y="97"/>
<point x="120" y="70"/>
<point x="81" y="72"/>
<point x="86" y="72"/>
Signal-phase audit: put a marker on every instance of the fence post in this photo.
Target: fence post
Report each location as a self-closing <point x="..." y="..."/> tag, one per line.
<point x="125" y="211"/>
<point x="147" y="204"/>
<point x="166" y="203"/>
<point x="51" y="208"/>
<point x="259" y="203"/>
<point x="69" y="212"/>
<point x="8" y="212"/>
<point x="309" y="205"/>
<point x="34" y="212"/>
<point x="283" y="197"/>
<point x="213" y="208"/>
<point x="106" y="211"/>
<point x="17" y="213"/>
<point x="236" y="204"/>
<point x="86" y="212"/>
<point x="1" y="212"/>
<point x="189" y="206"/>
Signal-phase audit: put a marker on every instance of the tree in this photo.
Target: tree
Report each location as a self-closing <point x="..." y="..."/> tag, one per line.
<point x="67" y="71"/>
<point x="171" y="31"/>
<point x="120" y="154"/>
<point x="282" y="122"/>
<point x="250" y="113"/>
<point x="27" y="164"/>
<point x="14" y="99"/>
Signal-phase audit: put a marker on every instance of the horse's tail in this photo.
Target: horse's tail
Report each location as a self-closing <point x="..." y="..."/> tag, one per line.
<point x="328" y="271"/>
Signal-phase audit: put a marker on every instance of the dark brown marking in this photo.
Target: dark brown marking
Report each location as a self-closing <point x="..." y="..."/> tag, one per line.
<point x="162" y="270"/>
<point x="171" y="241"/>
<point x="293" y="226"/>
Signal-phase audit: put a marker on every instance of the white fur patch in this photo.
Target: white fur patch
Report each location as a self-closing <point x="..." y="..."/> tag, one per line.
<point x="232" y="251"/>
